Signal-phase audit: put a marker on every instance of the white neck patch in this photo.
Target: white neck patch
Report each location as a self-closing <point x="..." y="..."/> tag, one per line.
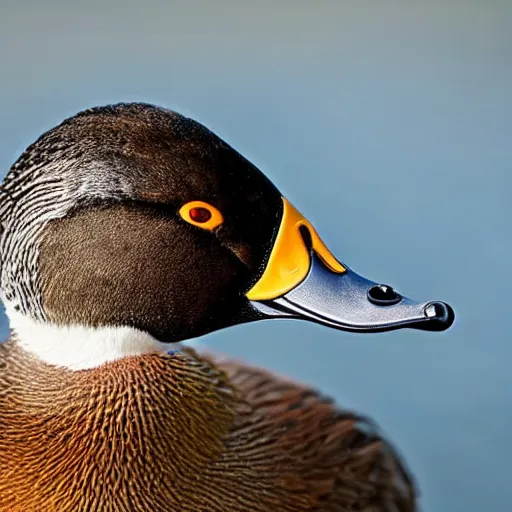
<point x="78" y="347"/>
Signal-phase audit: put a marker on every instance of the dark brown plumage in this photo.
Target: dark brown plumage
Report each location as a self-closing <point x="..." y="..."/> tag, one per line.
<point x="92" y="237"/>
<point x="184" y="433"/>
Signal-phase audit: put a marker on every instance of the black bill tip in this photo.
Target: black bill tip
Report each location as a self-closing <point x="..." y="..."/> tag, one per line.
<point x="439" y="316"/>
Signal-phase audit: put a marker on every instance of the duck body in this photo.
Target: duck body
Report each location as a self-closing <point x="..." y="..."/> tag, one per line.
<point x="124" y="231"/>
<point x="183" y="432"/>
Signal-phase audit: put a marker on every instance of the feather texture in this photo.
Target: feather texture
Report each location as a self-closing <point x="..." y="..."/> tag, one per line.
<point x="184" y="432"/>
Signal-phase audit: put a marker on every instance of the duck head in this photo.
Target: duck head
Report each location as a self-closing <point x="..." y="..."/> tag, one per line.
<point x="135" y="219"/>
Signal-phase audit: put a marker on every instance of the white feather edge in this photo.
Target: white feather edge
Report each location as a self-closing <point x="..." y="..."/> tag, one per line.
<point x="77" y="347"/>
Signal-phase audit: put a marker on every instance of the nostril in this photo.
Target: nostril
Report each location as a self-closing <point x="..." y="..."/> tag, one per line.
<point x="383" y="295"/>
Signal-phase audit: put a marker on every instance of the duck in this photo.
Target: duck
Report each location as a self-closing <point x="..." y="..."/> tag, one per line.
<point x="125" y="231"/>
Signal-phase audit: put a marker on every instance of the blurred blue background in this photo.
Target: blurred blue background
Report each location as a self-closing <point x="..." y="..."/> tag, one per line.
<point x="388" y="124"/>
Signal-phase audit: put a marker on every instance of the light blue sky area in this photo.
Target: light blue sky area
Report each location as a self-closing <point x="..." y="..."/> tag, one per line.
<point x="389" y="124"/>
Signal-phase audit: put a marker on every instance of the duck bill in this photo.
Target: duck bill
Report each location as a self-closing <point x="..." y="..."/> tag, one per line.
<point x="302" y="279"/>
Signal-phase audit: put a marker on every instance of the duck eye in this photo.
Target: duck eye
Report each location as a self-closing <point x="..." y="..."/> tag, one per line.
<point x="201" y="214"/>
